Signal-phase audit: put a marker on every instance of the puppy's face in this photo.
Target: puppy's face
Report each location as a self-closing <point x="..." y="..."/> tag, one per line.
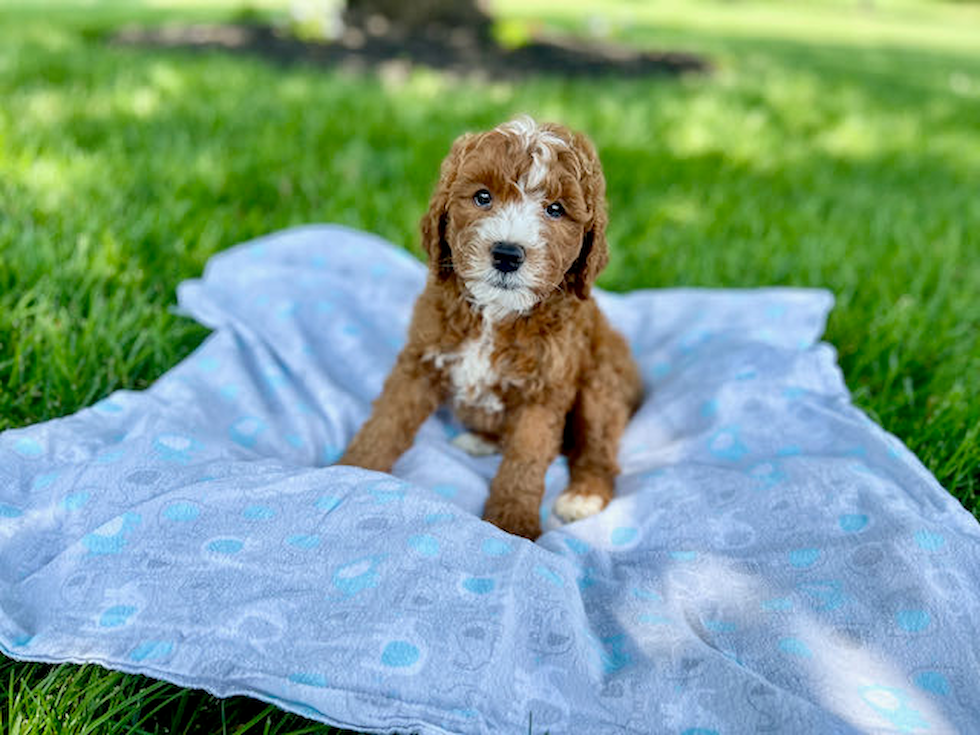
<point x="517" y="215"/>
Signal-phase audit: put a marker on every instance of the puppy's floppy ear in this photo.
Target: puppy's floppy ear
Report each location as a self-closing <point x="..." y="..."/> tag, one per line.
<point x="594" y="255"/>
<point x="436" y="219"/>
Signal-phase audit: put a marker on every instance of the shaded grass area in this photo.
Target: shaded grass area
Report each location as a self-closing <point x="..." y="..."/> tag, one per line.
<point x="83" y="700"/>
<point x="802" y="161"/>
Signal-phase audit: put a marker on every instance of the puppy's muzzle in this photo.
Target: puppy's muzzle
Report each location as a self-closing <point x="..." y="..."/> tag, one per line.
<point x="507" y="256"/>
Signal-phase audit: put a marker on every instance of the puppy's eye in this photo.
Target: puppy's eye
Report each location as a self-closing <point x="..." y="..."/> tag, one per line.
<point x="482" y="198"/>
<point x="555" y="210"/>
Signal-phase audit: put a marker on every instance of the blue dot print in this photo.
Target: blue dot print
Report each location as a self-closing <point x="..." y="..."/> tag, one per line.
<point x="107" y="406"/>
<point x="478" y="585"/>
<point x="208" y="364"/>
<point x="229" y="391"/>
<point x="117" y="454"/>
<point x="356" y="576"/>
<point x="181" y="512"/>
<point x="71" y="502"/>
<point x="151" y="650"/>
<point x="777" y="604"/>
<point x="803" y="558"/>
<point x="726" y="444"/>
<point x="795" y="647"/>
<point x="913" y="621"/>
<point x="623" y="535"/>
<point x="775" y="310"/>
<point x="385" y="492"/>
<point x="111" y="537"/>
<point x="425" y="545"/>
<point x="27" y="447"/>
<point x="308" y="679"/>
<point x="9" y="511"/>
<point x="258" y="513"/>
<point x="720" y="626"/>
<point x="176" y="447"/>
<point x="929" y="540"/>
<point x="683" y="555"/>
<point x="399" y="654"/>
<point x="327" y="502"/>
<point x="496" y="547"/>
<point x="116" y="616"/>
<point x="934" y="682"/>
<point x="99" y="545"/>
<point x="447" y="491"/>
<point x="647" y="595"/>
<point x="577" y="546"/>
<point x="853" y="522"/>
<point x="826" y="594"/>
<point x="43" y="480"/>
<point x="548" y="575"/>
<point x="274" y="378"/>
<point x="225" y="546"/>
<point x="893" y="704"/>
<point x="304" y="541"/>
<point x="245" y="431"/>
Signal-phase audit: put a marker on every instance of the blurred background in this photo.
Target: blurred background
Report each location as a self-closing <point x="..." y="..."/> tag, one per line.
<point x="831" y="143"/>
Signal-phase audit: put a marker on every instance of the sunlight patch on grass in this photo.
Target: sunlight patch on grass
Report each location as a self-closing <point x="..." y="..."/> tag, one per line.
<point x="888" y="23"/>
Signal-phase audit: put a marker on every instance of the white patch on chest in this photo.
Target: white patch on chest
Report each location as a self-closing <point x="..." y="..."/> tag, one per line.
<point x="471" y="372"/>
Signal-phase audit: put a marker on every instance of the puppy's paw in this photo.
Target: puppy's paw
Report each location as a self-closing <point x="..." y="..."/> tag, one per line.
<point x="475" y="445"/>
<point x="513" y="520"/>
<point x="355" y="457"/>
<point x="574" y="506"/>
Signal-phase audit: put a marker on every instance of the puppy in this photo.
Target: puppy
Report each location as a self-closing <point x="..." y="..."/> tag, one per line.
<point x="506" y="330"/>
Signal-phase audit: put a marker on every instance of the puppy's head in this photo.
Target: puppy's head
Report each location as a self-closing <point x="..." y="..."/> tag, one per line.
<point x="519" y="212"/>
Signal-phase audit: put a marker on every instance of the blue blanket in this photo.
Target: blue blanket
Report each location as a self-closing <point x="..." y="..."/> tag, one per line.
<point x="773" y="561"/>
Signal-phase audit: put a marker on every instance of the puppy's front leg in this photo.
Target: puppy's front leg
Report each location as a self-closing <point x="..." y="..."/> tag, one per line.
<point x="408" y="398"/>
<point x="532" y="440"/>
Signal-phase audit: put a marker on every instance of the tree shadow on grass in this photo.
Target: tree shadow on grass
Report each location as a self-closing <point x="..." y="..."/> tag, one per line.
<point x="455" y="51"/>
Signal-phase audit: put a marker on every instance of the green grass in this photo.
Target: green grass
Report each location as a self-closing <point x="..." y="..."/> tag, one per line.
<point x="832" y="147"/>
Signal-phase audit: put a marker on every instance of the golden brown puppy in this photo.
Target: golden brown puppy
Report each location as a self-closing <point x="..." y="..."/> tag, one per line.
<point x="506" y="329"/>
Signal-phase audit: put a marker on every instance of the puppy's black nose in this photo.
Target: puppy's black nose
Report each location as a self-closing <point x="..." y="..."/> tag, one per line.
<point x="507" y="256"/>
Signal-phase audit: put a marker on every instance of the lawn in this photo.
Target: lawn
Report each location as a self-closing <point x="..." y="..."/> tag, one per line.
<point x="834" y="145"/>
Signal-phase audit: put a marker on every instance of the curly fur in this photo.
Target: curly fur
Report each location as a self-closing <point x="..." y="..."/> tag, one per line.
<point x="526" y="359"/>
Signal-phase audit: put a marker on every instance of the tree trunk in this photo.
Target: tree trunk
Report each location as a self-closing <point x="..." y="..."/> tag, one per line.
<point x="420" y="18"/>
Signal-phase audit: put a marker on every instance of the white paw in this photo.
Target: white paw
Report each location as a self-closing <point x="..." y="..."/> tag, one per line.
<point x="475" y="445"/>
<point x="576" y="507"/>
